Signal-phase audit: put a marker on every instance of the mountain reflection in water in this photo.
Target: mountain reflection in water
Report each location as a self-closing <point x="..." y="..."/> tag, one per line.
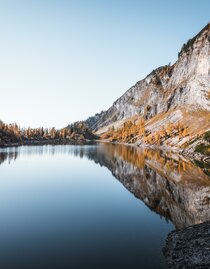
<point x="168" y="184"/>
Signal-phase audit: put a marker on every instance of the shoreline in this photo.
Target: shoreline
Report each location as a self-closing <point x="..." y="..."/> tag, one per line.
<point x="185" y="153"/>
<point x="45" y="142"/>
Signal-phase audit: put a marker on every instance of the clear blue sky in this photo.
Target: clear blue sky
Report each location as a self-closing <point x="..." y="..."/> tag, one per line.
<point x="62" y="61"/>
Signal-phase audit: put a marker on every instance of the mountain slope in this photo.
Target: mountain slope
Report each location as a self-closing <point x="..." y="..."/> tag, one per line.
<point x="171" y="93"/>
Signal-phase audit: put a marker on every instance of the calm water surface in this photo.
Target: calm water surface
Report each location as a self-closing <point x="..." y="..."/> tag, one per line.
<point x="95" y="206"/>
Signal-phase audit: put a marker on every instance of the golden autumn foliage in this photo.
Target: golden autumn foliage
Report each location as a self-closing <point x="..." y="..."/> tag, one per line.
<point x="134" y="130"/>
<point x="128" y="133"/>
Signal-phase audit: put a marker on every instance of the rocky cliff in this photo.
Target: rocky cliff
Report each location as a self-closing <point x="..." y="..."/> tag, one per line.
<point x="171" y="90"/>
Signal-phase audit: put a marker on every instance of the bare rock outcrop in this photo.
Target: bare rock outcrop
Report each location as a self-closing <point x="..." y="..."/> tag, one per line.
<point x="185" y="84"/>
<point x="189" y="248"/>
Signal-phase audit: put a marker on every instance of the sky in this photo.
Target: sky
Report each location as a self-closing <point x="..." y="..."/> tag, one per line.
<point x="63" y="61"/>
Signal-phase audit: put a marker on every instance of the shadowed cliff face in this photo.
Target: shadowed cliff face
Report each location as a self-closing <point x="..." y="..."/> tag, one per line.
<point x="168" y="184"/>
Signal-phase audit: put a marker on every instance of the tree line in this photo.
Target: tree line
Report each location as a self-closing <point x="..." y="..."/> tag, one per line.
<point x="77" y="130"/>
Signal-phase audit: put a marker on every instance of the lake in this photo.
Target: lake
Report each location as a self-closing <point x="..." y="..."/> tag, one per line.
<point x="95" y="206"/>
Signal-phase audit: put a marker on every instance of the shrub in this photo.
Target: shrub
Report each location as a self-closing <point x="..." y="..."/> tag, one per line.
<point x="207" y="136"/>
<point x="203" y="149"/>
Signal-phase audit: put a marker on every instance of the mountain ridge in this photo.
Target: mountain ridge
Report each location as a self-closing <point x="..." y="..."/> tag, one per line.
<point x="169" y="107"/>
<point x="169" y="86"/>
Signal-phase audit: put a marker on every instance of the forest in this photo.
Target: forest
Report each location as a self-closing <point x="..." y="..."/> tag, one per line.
<point x="75" y="133"/>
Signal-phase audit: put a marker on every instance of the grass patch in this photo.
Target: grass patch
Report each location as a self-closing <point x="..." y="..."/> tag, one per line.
<point x="207" y="136"/>
<point x="204" y="166"/>
<point x="203" y="149"/>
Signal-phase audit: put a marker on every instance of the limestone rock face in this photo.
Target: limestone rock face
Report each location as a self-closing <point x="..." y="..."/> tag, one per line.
<point x="184" y="84"/>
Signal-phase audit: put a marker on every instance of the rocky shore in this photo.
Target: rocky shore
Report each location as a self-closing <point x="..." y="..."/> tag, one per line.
<point x="189" y="248"/>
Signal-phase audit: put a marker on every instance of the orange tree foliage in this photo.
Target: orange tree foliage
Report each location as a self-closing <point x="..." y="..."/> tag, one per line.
<point x="131" y="131"/>
<point x="128" y="133"/>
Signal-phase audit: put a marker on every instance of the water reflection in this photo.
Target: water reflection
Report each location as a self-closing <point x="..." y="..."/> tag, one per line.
<point x="168" y="184"/>
<point x="8" y="156"/>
